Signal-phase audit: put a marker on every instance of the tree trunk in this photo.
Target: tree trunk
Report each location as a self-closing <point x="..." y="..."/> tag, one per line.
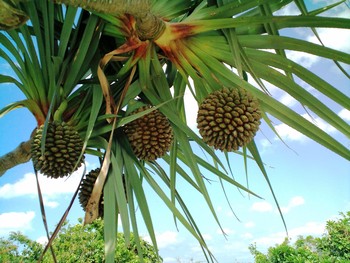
<point x="148" y="26"/>
<point x="137" y="8"/>
<point x="18" y="156"/>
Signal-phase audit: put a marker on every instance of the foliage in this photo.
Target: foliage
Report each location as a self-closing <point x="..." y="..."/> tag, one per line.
<point x="336" y="243"/>
<point x="92" y="67"/>
<point x="76" y="243"/>
<point x="334" y="246"/>
<point x="8" y="251"/>
<point x="19" y="248"/>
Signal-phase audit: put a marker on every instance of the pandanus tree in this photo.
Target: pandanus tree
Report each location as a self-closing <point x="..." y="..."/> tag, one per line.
<point x="108" y="78"/>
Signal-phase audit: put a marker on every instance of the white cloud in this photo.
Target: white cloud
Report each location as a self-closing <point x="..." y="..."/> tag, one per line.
<point x="207" y="237"/>
<point x="320" y="123"/>
<point x="288" y="133"/>
<point x="42" y="240"/>
<point x="15" y="221"/>
<point x="196" y="248"/>
<point x="344" y="114"/>
<point x="272" y="89"/>
<point x="288" y="100"/>
<point x="191" y="108"/>
<point x="22" y="187"/>
<point x="51" y="204"/>
<point x="165" y="239"/>
<point x="270" y="240"/>
<point x="335" y="38"/>
<point x="294" y="202"/>
<point x="310" y="228"/>
<point x="49" y="187"/>
<point x="289" y="10"/>
<point x="305" y="59"/>
<point x="249" y="224"/>
<point x="265" y="145"/>
<point x="170" y="260"/>
<point x="262" y="207"/>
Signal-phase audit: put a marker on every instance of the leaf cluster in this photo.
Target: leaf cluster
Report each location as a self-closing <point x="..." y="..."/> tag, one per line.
<point x="75" y="243"/>
<point x="333" y="246"/>
<point x="91" y="70"/>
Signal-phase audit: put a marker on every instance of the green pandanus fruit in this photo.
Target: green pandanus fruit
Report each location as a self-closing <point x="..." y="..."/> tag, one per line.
<point x="85" y="190"/>
<point x="63" y="147"/>
<point x="150" y="136"/>
<point x="229" y="118"/>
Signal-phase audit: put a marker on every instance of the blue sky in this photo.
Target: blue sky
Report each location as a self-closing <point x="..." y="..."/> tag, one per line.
<point x="311" y="183"/>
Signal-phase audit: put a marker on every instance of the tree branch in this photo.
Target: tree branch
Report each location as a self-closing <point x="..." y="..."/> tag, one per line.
<point x="11" y="17"/>
<point x="148" y="26"/>
<point x="132" y="7"/>
<point x="18" y="156"/>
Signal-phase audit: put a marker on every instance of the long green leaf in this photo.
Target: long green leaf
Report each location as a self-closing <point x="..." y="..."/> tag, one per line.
<point x="281" y="111"/>
<point x="172" y="173"/>
<point x="17" y="68"/>
<point x="94" y="111"/>
<point x="110" y="219"/>
<point x="118" y="163"/>
<point x="9" y="79"/>
<point x="303" y="96"/>
<point x="255" y="152"/>
<point x="136" y="183"/>
<point x="168" y="110"/>
<point x="280" y="22"/>
<point x="193" y="165"/>
<point x="67" y="28"/>
<point x="288" y="43"/>
<point x="162" y="174"/>
<point x="220" y="174"/>
<point x="309" y="77"/>
<point x="32" y="11"/>
<point x="83" y="54"/>
<point x="172" y="208"/>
